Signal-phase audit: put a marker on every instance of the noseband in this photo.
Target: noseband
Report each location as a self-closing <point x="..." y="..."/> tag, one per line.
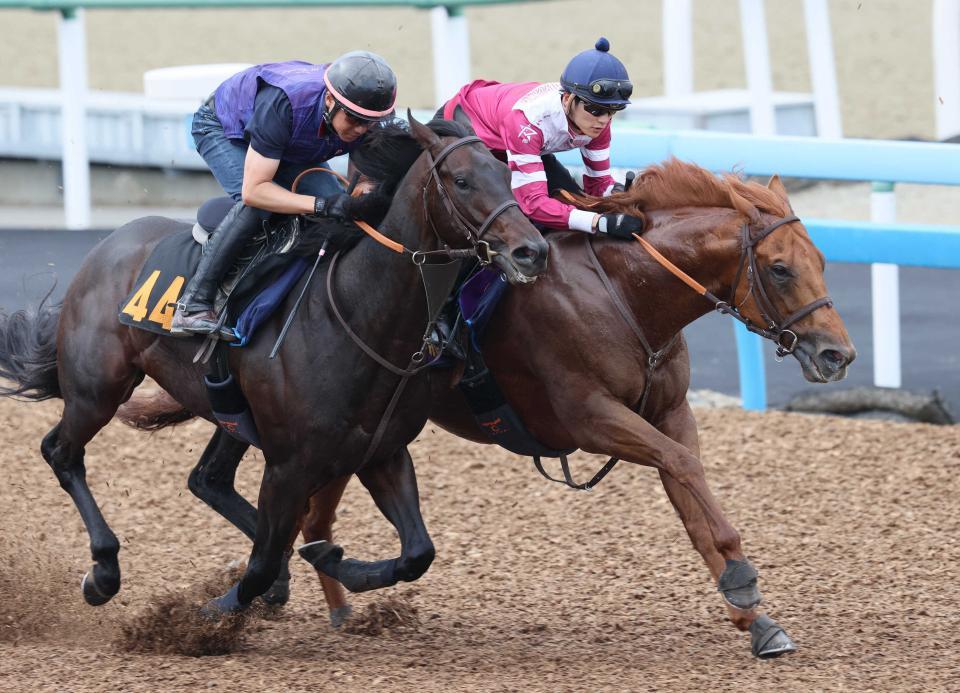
<point x="473" y="234"/>
<point x="775" y="327"/>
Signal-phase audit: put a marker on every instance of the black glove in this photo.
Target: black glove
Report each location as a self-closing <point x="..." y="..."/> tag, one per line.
<point x="620" y="225"/>
<point x="331" y="207"/>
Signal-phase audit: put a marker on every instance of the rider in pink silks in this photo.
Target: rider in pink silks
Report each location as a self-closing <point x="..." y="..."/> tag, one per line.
<point x="525" y="123"/>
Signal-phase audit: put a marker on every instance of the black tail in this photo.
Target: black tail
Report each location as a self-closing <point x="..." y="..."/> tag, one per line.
<point x="28" y="352"/>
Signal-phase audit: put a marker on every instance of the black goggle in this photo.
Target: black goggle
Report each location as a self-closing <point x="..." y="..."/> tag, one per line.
<point x="598" y="111"/>
<point x="607" y="88"/>
<point x="355" y="121"/>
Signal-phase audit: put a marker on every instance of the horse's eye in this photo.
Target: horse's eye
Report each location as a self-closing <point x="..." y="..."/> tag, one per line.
<point x="779" y="271"/>
<point x="461" y="182"/>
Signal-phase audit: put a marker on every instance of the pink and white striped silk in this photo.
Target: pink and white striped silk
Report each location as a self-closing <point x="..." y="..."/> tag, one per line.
<point x="520" y="123"/>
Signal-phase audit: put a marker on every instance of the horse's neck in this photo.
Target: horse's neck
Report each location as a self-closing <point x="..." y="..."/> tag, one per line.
<point x="381" y="289"/>
<point x="704" y="244"/>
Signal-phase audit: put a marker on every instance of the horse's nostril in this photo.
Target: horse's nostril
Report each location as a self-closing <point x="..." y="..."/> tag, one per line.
<point x="526" y="255"/>
<point x="833" y="357"/>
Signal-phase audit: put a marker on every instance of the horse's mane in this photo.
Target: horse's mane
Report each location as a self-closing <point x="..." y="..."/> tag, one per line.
<point x="386" y="154"/>
<point x="676" y="183"/>
<point x="388" y="151"/>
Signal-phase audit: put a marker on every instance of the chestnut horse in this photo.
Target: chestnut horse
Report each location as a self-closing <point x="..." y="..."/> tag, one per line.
<point x="621" y="313"/>
<point x="581" y="391"/>
<point x="324" y="409"/>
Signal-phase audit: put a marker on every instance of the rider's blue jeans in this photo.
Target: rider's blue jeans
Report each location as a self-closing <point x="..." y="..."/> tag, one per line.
<point x="225" y="158"/>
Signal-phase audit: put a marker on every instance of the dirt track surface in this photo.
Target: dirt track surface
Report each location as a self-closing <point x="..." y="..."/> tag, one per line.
<point x="853" y="526"/>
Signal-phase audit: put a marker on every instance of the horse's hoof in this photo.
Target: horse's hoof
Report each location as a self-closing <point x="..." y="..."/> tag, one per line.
<point x="92" y="595"/>
<point x="738" y="585"/>
<point x="229" y="603"/>
<point x="768" y="639"/>
<point x="323" y="555"/>
<point x="340" y="615"/>
<point x="278" y="594"/>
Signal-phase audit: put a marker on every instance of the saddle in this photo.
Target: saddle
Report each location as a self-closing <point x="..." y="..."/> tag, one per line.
<point x="267" y="269"/>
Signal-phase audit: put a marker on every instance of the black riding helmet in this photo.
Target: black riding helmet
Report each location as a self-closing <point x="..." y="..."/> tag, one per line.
<point x="362" y="84"/>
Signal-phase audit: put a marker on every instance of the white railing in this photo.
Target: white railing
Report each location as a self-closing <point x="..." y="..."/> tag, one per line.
<point x="882" y="243"/>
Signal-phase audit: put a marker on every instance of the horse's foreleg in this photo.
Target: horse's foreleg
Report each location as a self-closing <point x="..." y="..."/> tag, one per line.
<point x="393" y="487"/>
<point x="680" y="426"/>
<point x="769" y="640"/>
<point x="283" y="497"/>
<point x="213" y="481"/>
<point x="318" y="526"/>
<point x="606" y="426"/>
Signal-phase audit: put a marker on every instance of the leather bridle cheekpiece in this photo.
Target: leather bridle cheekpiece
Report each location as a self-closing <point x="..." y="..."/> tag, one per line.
<point x="472" y="233"/>
<point x="775" y="326"/>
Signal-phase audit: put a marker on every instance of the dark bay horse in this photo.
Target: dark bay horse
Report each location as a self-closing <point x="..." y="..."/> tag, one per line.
<point x="319" y="408"/>
<point x="575" y="365"/>
<point x="575" y="368"/>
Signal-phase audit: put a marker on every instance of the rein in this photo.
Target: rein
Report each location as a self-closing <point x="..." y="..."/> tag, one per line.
<point x="775" y="328"/>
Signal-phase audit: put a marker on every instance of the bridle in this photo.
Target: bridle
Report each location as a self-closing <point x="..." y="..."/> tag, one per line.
<point x="473" y="234"/>
<point x="775" y="328"/>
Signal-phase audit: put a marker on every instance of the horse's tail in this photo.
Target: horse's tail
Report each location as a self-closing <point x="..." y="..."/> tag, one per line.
<point x="151" y="412"/>
<point x="28" y="352"/>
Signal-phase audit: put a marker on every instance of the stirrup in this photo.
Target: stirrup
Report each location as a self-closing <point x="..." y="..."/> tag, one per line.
<point x="210" y="326"/>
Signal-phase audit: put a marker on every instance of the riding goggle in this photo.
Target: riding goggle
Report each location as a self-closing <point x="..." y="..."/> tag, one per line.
<point x="354" y="121"/>
<point x="607" y="88"/>
<point x="598" y="111"/>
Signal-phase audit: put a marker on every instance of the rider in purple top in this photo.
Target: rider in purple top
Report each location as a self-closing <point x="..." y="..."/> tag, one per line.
<point x="258" y="130"/>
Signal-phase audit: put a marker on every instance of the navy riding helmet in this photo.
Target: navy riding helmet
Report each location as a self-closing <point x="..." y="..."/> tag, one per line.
<point x="598" y="77"/>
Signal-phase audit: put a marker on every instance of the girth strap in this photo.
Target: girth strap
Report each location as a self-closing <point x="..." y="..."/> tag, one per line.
<point x="654" y="358"/>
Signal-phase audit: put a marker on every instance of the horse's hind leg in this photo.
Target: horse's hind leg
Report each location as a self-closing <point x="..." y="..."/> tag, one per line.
<point x="318" y="526"/>
<point x="769" y="640"/>
<point x="393" y="487"/>
<point x="88" y="406"/>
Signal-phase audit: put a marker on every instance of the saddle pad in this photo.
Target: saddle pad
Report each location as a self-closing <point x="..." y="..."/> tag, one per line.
<point x="478" y="299"/>
<point x="151" y="304"/>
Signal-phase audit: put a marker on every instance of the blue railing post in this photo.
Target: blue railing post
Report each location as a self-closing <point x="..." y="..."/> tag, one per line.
<point x="753" y="382"/>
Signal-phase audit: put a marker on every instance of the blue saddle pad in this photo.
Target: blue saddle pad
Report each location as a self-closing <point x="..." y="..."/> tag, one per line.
<point x="478" y="298"/>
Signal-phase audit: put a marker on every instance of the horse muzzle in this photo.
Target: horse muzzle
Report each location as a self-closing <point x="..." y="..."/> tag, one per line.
<point x="524" y="263"/>
<point x="824" y="361"/>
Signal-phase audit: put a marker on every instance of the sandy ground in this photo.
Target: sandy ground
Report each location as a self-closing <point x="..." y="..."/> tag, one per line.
<point x="882" y="47"/>
<point x="852" y="525"/>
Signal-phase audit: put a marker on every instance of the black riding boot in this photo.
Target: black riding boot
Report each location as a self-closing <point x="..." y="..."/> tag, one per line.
<point x="195" y="312"/>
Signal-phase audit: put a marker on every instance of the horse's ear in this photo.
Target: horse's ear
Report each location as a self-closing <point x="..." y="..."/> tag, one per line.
<point x="421" y="133"/>
<point x="776" y="186"/>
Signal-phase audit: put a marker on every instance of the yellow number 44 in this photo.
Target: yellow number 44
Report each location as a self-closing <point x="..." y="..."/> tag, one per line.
<point x="162" y="312"/>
